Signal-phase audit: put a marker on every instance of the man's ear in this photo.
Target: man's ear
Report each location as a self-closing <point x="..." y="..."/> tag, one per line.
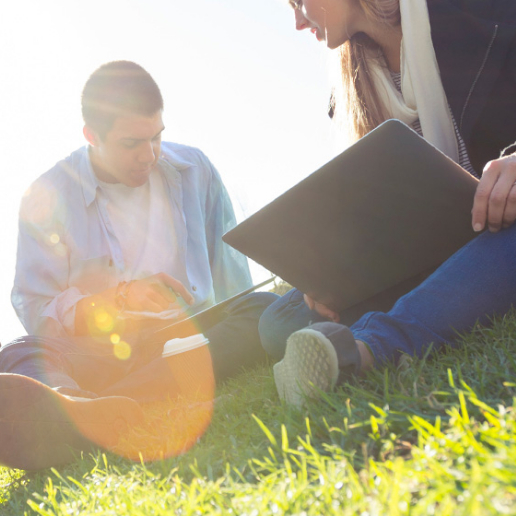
<point x="91" y="136"/>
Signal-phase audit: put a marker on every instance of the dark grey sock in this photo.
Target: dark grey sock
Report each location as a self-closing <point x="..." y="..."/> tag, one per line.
<point x="348" y="355"/>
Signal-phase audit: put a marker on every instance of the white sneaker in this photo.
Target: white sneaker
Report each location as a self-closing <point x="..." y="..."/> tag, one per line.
<point x="310" y="365"/>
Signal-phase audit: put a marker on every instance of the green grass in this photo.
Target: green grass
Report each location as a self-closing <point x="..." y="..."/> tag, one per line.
<point x="432" y="436"/>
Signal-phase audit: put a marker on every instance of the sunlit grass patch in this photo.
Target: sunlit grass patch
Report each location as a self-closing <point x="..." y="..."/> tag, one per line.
<point x="431" y="436"/>
<point x="464" y="467"/>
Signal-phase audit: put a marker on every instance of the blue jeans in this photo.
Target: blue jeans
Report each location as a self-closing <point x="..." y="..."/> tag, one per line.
<point x="87" y="367"/>
<point x="477" y="282"/>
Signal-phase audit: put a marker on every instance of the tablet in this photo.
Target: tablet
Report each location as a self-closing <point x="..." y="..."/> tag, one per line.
<point x="201" y="321"/>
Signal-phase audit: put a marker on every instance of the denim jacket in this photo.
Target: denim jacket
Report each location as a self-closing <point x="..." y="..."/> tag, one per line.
<point x="67" y="249"/>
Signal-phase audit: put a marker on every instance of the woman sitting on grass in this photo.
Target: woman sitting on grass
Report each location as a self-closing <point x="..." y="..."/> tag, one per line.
<point x="448" y="69"/>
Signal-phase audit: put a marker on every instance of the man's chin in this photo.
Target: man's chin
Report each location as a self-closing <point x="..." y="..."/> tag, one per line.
<point x="137" y="179"/>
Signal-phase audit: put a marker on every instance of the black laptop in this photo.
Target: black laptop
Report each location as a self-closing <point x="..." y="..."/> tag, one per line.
<point x="387" y="210"/>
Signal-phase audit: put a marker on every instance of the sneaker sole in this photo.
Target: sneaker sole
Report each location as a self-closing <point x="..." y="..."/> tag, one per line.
<point x="40" y="428"/>
<point x="310" y="365"/>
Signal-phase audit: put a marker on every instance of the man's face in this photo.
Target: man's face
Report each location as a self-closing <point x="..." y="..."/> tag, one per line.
<point x="128" y="152"/>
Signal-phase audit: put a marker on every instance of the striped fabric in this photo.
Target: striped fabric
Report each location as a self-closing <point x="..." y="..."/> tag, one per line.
<point x="463" y="153"/>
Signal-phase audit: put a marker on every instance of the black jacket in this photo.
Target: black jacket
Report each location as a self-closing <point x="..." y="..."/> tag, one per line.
<point x="475" y="45"/>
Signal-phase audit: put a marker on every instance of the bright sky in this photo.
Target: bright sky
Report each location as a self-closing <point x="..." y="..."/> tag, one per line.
<point x="238" y="82"/>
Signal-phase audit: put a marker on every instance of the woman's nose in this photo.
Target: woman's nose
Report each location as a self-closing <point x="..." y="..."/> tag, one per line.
<point x="301" y="21"/>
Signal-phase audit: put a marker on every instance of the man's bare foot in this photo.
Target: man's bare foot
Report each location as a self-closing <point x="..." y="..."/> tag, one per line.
<point x="366" y="356"/>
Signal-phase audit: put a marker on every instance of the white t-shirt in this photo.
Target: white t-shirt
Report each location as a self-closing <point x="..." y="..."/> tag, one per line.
<point x="142" y="222"/>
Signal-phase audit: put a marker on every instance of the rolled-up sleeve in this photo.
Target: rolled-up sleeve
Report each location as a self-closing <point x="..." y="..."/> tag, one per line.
<point x="230" y="270"/>
<point x="41" y="296"/>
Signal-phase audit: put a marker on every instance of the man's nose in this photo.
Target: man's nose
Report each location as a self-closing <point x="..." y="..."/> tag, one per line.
<point x="147" y="154"/>
<point x="301" y="22"/>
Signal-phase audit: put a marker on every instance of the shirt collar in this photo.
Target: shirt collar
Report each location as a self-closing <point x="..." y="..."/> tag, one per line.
<point x="90" y="182"/>
<point x="174" y="159"/>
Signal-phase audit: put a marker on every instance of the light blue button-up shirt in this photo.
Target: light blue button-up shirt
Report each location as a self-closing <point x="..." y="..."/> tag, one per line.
<point x="67" y="249"/>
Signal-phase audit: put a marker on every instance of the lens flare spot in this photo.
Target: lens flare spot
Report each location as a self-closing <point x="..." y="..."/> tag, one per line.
<point x="104" y="321"/>
<point x="121" y="349"/>
<point x="54" y="239"/>
<point x="172" y="426"/>
<point x="115" y="338"/>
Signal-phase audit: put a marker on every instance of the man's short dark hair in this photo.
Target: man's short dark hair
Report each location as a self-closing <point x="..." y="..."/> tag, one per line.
<point x="119" y="88"/>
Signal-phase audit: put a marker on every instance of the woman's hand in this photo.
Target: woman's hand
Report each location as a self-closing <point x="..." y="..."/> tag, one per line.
<point x="155" y="293"/>
<point x="322" y="310"/>
<point x="495" y="198"/>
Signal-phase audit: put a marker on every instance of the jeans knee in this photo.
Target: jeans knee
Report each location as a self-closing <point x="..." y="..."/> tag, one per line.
<point x="252" y="304"/>
<point x="10" y="354"/>
<point x="262" y="300"/>
<point x="270" y="331"/>
<point x="28" y="348"/>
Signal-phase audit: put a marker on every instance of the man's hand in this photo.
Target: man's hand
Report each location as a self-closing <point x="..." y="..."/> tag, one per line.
<point x="155" y="293"/>
<point x="322" y="310"/>
<point x="495" y="198"/>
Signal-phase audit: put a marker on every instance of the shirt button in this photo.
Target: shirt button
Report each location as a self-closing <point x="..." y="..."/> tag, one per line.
<point x="194" y="288"/>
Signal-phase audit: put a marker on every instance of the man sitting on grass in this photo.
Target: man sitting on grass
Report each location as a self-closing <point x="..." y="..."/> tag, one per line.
<point x="119" y="239"/>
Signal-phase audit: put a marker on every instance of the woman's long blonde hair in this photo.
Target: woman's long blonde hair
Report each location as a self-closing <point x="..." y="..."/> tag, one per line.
<point x="356" y="104"/>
